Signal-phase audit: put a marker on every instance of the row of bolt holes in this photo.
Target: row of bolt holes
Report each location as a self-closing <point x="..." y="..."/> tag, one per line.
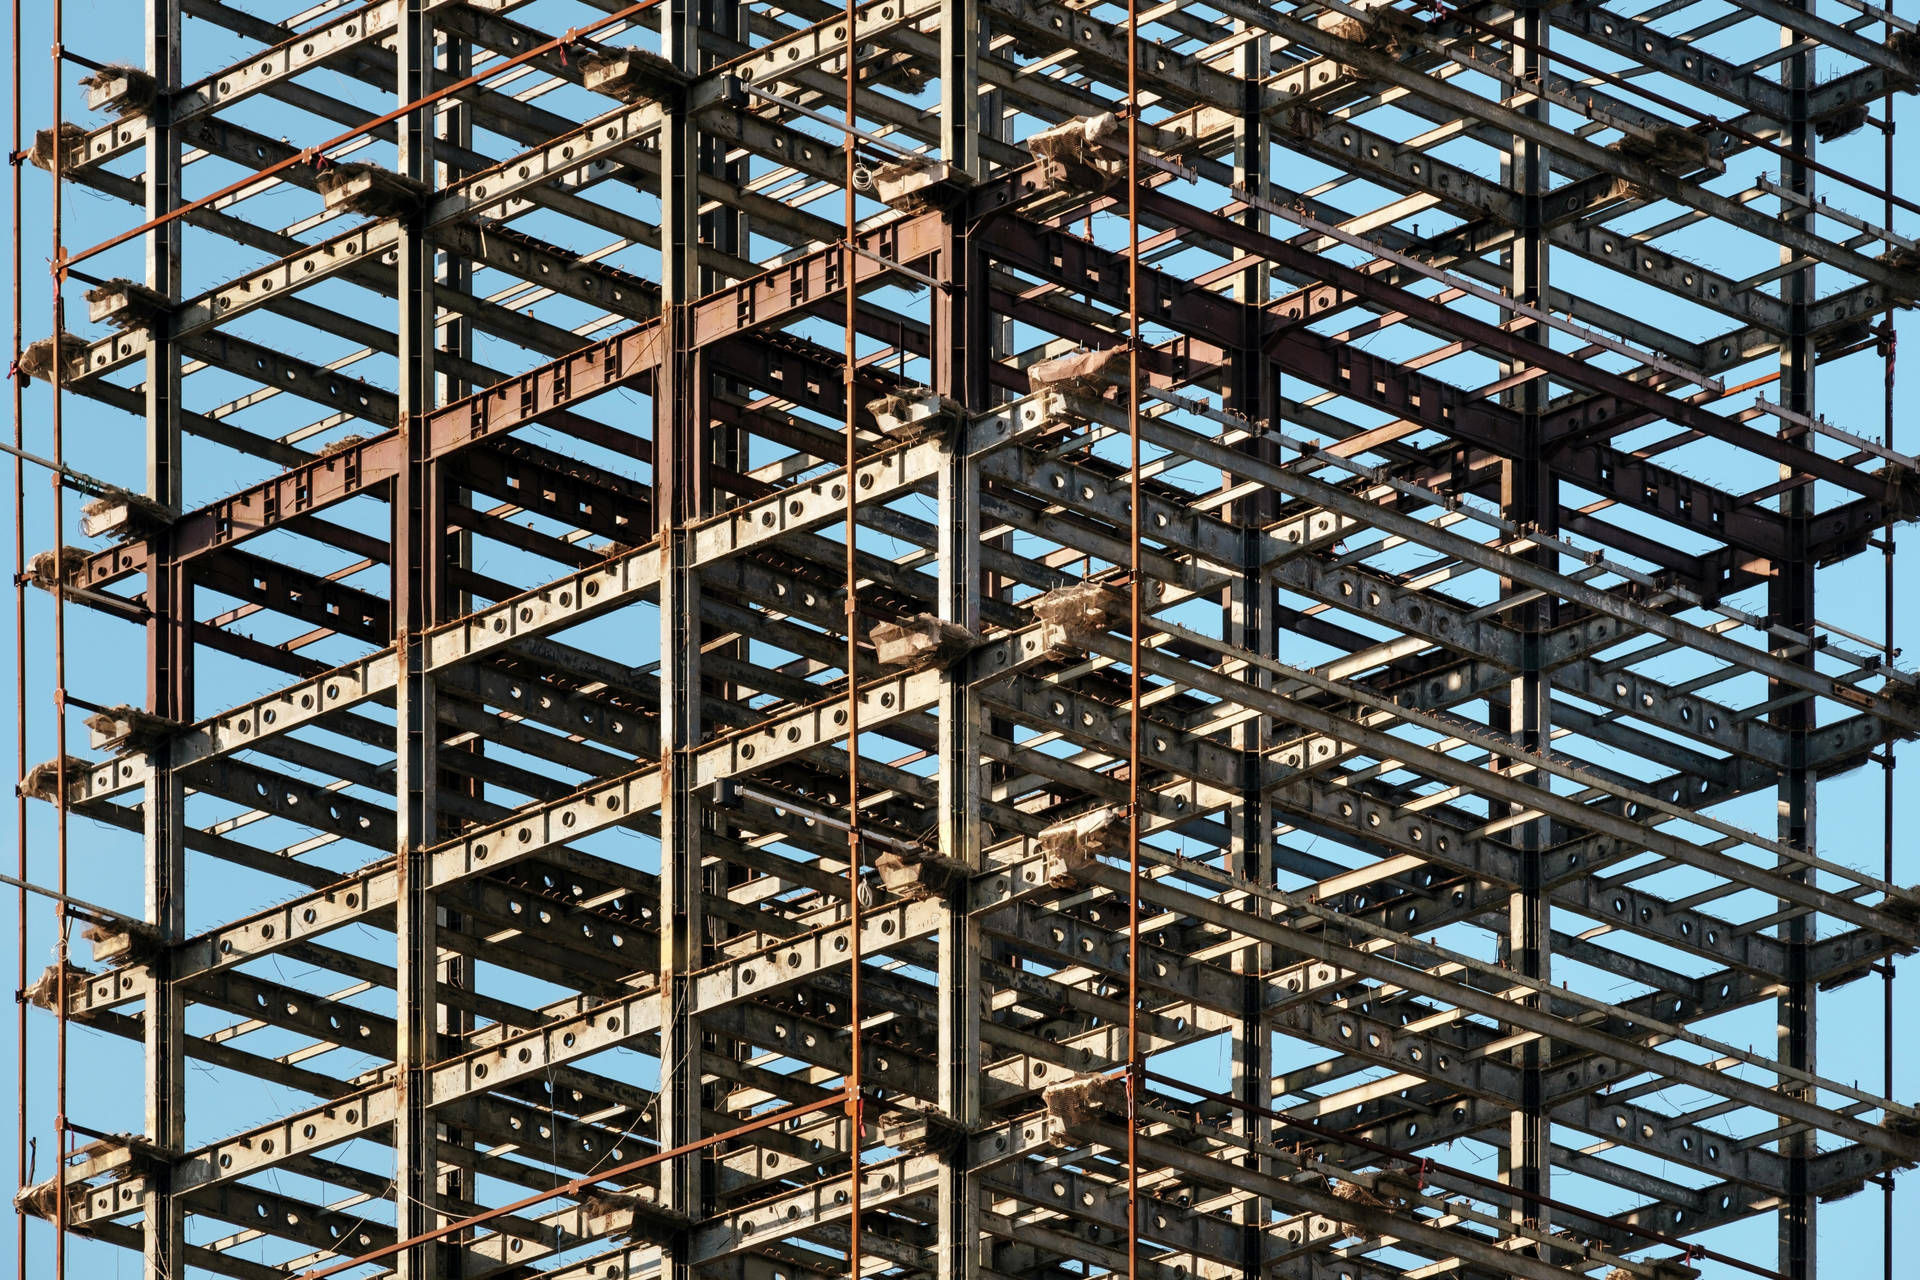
<point x="293" y="1219"/>
<point x="567" y="819"/>
<point x="1415" y="834"/>
<point x="748" y="1227"/>
<point x="307" y="916"/>
<point x="307" y="1131"/>
<point x="793" y="731"/>
<point x="266" y="68"/>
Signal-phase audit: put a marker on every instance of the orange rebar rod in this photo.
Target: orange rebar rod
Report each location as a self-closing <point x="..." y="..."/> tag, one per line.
<point x="63" y="927"/>
<point x="856" y="1120"/>
<point x="19" y="650"/>
<point x="1136" y="1063"/>
<point x="61" y="263"/>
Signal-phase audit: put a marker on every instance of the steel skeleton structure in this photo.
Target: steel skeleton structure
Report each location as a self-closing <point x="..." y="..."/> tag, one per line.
<point x="667" y="359"/>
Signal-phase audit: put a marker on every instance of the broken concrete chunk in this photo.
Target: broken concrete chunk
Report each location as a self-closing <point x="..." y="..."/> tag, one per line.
<point x="73" y="141"/>
<point x="50" y="569"/>
<point x="1070" y="616"/>
<point x="125" y="305"/>
<point x="119" y="514"/>
<point x="1089" y="150"/>
<point x="45" y="991"/>
<point x="37" y="360"/>
<point x="41" y="1199"/>
<point x="1074" y="1103"/>
<point x="1905" y="1126"/>
<point x="911" y="184"/>
<point x="1084" y="373"/>
<point x="915" y="413"/>
<point x="1659" y="1269"/>
<point x="43" y="780"/>
<point x="112" y="728"/>
<point x="920" y="641"/>
<point x="368" y="189"/>
<point x="917" y="876"/>
<point x="1670" y="148"/>
<point x="1072" y="845"/>
<point x="111" y="946"/>
<point x="121" y="88"/>
<point x="631" y="75"/>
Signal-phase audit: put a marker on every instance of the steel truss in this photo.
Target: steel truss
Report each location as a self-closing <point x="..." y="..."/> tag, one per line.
<point x="750" y="541"/>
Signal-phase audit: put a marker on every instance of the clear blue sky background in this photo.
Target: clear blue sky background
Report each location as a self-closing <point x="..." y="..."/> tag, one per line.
<point x="104" y="663"/>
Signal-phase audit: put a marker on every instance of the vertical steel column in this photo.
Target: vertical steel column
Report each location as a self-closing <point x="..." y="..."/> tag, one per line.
<point x="453" y="335"/>
<point x="679" y="482"/>
<point x="1790" y="604"/>
<point x="1251" y="624"/>
<point x="418" y="534"/>
<point x="169" y="673"/>
<point x="961" y="337"/>
<point x="1527" y="498"/>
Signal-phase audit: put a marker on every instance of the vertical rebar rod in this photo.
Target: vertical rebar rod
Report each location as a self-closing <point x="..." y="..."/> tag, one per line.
<point x="61" y="920"/>
<point x="856" y="1119"/>
<point x="1134" y="613"/>
<point x="19" y="643"/>
<point x="1889" y="359"/>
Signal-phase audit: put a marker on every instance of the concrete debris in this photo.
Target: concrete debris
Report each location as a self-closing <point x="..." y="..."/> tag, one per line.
<point x="50" y="569"/>
<point x="919" y="641"/>
<point x="1074" y="1103"/>
<point x="1907" y="260"/>
<point x="1354" y="1193"/>
<point x="631" y="75"/>
<point x="41" y="1199"/>
<point x="920" y="1129"/>
<point x="125" y="305"/>
<point x="37" y="360"/>
<point x="1090" y="150"/>
<point x="43" y="780"/>
<point x="110" y="946"/>
<point x="1836" y="127"/>
<point x="918" y="877"/>
<point x="1656" y="1269"/>
<point x="1073" y="844"/>
<point x="912" y="184"/>
<point x="44" y="993"/>
<point x="121" y="88"/>
<point x="1671" y="149"/>
<point x="368" y="189"/>
<point x="915" y="413"/>
<point x="1084" y="373"/>
<point x="1386" y="30"/>
<point x="1070" y="616"/>
<point x="111" y="728"/>
<point x="73" y="139"/>
<point x="119" y="514"/>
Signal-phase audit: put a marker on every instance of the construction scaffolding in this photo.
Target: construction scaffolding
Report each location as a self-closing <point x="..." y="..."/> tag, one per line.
<point x="963" y="639"/>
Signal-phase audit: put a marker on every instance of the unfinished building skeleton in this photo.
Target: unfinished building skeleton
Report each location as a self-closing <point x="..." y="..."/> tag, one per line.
<point x="1148" y="568"/>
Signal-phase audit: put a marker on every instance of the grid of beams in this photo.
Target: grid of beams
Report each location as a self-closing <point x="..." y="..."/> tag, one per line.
<point x="491" y="561"/>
